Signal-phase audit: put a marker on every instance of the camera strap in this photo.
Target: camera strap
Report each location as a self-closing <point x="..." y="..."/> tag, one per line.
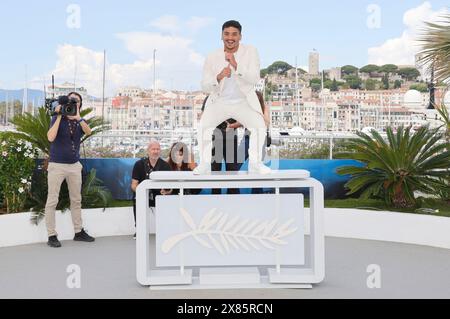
<point x="148" y="170"/>
<point x="147" y="167"/>
<point x="72" y="128"/>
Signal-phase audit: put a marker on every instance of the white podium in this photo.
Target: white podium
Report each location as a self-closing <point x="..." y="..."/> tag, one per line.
<point x="230" y="241"/>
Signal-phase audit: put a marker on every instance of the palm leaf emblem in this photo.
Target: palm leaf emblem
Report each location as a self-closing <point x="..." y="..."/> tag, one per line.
<point x="223" y="233"/>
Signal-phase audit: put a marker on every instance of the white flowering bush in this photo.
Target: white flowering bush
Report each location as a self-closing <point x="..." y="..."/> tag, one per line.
<point x="17" y="162"/>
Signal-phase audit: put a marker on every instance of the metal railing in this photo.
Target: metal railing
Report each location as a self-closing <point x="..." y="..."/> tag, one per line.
<point x="122" y="142"/>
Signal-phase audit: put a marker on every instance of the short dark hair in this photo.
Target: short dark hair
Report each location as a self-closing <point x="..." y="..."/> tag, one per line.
<point x="232" y="23"/>
<point x="79" y="95"/>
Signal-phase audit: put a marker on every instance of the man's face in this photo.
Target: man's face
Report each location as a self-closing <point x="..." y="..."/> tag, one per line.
<point x="75" y="97"/>
<point x="154" y="151"/>
<point x="231" y="37"/>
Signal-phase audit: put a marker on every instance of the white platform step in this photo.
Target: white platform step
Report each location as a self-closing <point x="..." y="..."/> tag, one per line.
<point x="229" y="276"/>
<point x="289" y="275"/>
<point x="265" y="284"/>
<point x="227" y="176"/>
<point x="170" y="277"/>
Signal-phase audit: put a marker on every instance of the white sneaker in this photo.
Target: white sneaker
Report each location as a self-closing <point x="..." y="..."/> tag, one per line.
<point x="259" y="168"/>
<point x="202" y="169"/>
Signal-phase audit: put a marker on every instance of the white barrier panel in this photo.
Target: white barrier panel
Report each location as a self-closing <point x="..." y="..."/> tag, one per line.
<point x="186" y="217"/>
<point x="228" y="230"/>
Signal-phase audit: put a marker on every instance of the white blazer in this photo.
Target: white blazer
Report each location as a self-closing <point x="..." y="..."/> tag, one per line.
<point x="247" y="74"/>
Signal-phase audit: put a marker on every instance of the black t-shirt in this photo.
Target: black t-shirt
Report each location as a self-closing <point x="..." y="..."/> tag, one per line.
<point x="141" y="172"/>
<point x="65" y="149"/>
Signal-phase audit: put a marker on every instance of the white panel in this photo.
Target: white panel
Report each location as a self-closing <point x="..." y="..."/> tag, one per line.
<point x="290" y="275"/>
<point x="229" y="230"/>
<point x="170" y="277"/>
<point x="228" y="176"/>
<point x="229" y="276"/>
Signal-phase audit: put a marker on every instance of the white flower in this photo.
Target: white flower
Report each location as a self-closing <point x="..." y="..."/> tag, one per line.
<point x="4" y="143"/>
<point x="21" y="190"/>
<point x="29" y="183"/>
<point x="23" y="181"/>
<point x="19" y="142"/>
<point x="19" y="149"/>
<point x="5" y="154"/>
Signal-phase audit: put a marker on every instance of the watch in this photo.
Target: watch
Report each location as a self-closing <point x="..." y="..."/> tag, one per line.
<point x="81" y="120"/>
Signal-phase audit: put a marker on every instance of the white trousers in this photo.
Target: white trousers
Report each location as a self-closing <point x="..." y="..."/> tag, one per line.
<point x="216" y="113"/>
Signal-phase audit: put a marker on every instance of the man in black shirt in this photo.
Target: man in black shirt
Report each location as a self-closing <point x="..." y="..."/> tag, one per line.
<point x="142" y="170"/>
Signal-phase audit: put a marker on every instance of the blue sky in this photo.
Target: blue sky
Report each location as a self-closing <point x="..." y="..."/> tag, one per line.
<point x="32" y="32"/>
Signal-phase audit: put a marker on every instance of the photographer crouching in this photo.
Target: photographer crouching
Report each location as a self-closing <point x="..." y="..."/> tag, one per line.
<point x="66" y="130"/>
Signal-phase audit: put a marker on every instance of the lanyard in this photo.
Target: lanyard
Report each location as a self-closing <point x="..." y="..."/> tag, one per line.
<point x="72" y="127"/>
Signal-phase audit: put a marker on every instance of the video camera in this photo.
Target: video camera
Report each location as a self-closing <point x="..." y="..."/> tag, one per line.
<point x="68" y="105"/>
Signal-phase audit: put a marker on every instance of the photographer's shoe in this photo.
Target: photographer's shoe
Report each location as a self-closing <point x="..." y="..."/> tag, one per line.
<point x="53" y="242"/>
<point x="202" y="169"/>
<point x="259" y="168"/>
<point x="83" y="236"/>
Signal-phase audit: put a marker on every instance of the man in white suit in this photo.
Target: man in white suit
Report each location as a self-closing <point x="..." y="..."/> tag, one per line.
<point x="229" y="76"/>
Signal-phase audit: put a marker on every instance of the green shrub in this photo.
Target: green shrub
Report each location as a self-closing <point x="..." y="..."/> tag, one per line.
<point x="17" y="161"/>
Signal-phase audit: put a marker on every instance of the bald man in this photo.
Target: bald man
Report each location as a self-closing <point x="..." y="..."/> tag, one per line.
<point x="142" y="169"/>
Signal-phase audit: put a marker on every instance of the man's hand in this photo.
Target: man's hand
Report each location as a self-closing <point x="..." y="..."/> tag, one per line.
<point x="58" y="110"/>
<point x="234" y="125"/>
<point x="226" y="72"/>
<point x="76" y="117"/>
<point x="231" y="59"/>
<point x="166" y="191"/>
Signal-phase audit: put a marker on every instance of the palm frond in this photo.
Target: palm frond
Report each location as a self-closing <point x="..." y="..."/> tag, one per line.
<point x="34" y="128"/>
<point x="435" y="39"/>
<point x="399" y="166"/>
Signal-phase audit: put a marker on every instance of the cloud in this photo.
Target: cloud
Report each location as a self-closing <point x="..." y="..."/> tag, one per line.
<point x="178" y="65"/>
<point x="177" y="61"/>
<point x="169" y="23"/>
<point x="401" y="50"/>
<point x="89" y="71"/>
<point x="194" y="24"/>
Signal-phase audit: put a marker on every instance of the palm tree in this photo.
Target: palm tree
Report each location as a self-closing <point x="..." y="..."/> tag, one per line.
<point x="436" y="48"/>
<point x="397" y="168"/>
<point x="436" y="57"/>
<point x="34" y="128"/>
<point x="445" y="118"/>
<point x="444" y="193"/>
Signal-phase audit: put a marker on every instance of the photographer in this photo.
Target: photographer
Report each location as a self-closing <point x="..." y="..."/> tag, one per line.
<point x="65" y="137"/>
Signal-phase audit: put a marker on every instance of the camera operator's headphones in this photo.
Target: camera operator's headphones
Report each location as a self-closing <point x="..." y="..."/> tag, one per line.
<point x="79" y="96"/>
